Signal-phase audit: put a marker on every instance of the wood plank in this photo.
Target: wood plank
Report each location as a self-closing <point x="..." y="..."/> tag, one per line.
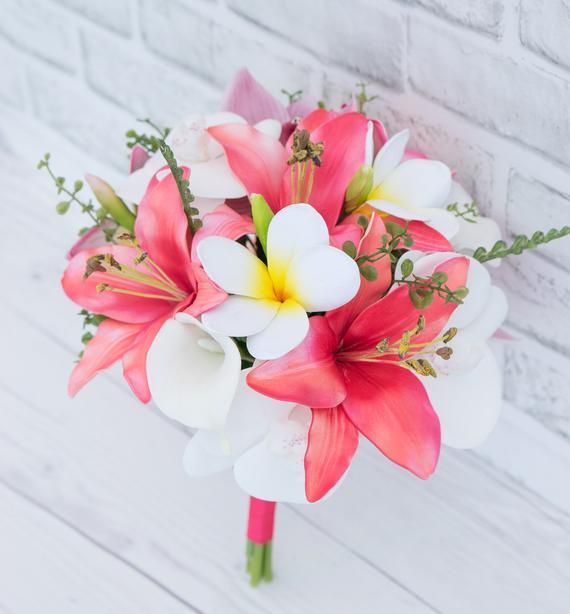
<point x="45" y="566"/>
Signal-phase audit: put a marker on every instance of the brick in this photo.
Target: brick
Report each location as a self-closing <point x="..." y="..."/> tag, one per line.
<point x="531" y="206"/>
<point x="34" y="26"/>
<point x="484" y="15"/>
<point x="363" y="36"/>
<point x="515" y="100"/>
<point x="544" y="28"/>
<point x="97" y="126"/>
<point x="539" y="298"/>
<point x="112" y="14"/>
<point x="12" y="76"/>
<point x="536" y="381"/>
<point x="129" y="77"/>
<point x="214" y="51"/>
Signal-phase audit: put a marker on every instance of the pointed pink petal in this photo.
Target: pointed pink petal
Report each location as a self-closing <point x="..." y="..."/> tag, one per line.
<point x="222" y="222"/>
<point x="344" y="140"/>
<point x="248" y="98"/>
<point x="94" y="237"/>
<point x="392" y="315"/>
<point x="300" y="108"/>
<point x="391" y="408"/>
<point x="111" y="341"/>
<point x="139" y="157"/>
<point x="332" y="442"/>
<point x="256" y="159"/>
<point x="379" y="135"/>
<point x="208" y="295"/>
<point x="161" y="228"/>
<point x="426" y="238"/>
<point x="370" y="291"/>
<point x="134" y="360"/>
<point x="122" y="307"/>
<point x="346" y="231"/>
<point x="317" y="118"/>
<point x="308" y="374"/>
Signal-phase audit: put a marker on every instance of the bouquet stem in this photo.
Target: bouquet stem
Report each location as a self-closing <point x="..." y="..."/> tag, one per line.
<point x="260" y="524"/>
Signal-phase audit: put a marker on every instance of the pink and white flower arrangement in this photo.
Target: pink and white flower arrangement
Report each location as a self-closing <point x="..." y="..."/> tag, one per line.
<point x="287" y="281"/>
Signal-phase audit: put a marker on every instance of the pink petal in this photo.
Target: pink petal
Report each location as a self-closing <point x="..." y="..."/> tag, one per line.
<point x="317" y="118"/>
<point x="134" y="360"/>
<point x="391" y="408"/>
<point x="370" y="291"/>
<point x="426" y="238"/>
<point x="248" y="98"/>
<point x="300" y="108"/>
<point x="379" y="134"/>
<point x="308" y="374"/>
<point x="161" y="228"/>
<point x="222" y="222"/>
<point x="139" y="157"/>
<point x="94" y="237"/>
<point x="123" y="307"/>
<point x="411" y="154"/>
<point x="208" y="295"/>
<point x="395" y="313"/>
<point x="256" y="159"/>
<point x="111" y="341"/>
<point x="346" y="231"/>
<point x="332" y="442"/>
<point x="344" y="140"/>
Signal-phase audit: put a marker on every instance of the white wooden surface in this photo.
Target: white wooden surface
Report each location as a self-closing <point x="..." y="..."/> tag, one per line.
<point x="96" y="515"/>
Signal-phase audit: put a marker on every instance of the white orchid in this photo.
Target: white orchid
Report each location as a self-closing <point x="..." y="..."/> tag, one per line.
<point x="212" y="179"/>
<point x="269" y="303"/>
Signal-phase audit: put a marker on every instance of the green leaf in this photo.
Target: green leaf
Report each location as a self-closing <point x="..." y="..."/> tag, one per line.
<point x="349" y="249"/>
<point x="395" y="229"/>
<point x="439" y="277"/>
<point x="369" y="272"/>
<point x="407" y="268"/>
<point x="262" y="216"/>
<point x="421" y="300"/>
<point x="62" y="207"/>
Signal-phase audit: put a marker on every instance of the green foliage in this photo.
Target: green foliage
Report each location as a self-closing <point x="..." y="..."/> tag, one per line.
<point x="362" y="98"/>
<point x="349" y="249"/>
<point x="262" y="216"/>
<point x="520" y="244"/>
<point x="468" y="211"/>
<point x="393" y="246"/>
<point x="96" y="214"/>
<point x="149" y="142"/>
<point x="183" y="186"/>
<point x="293" y="96"/>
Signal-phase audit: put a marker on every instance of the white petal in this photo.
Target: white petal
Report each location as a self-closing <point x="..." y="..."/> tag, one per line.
<point x="134" y="186"/>
<point x="287" y="329"/>
<point x="417" y="184"/>
<point x="213" y="179"/>
<point x="322" y="278"/>
<point x="423" y="215"/>
<point x="369" y="144"/>
<point x="390" y="156"/>
<point x="445" y="222"/>
<point x="468" y="404"/>
<point x="270" y="127"/>
<point x="206" y="205"/>
<point x="240" y="316"/>
<point x="193" y="374"/>
<point x="412" y="255"/>
<point x="234" y="268"/>
<point x="274" y="470"/>
<point x="484" y="232"/>
<point x="293" y="230"/>
<point x="248" y="422"/>
<point x="223" y="117"/>
<point x="458" y="195"/>
<point x="493" y="315"/>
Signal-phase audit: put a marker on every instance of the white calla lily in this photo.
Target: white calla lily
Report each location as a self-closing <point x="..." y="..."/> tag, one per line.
<point x="270" y="302"/>
<point x="193" y="373"/>
<point x="212" y="179"/>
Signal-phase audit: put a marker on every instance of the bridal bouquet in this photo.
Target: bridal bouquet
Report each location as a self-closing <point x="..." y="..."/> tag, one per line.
<point x="286" y="281"/>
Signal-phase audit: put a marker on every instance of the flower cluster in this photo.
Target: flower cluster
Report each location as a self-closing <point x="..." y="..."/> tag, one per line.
<point x="288" y="280"/>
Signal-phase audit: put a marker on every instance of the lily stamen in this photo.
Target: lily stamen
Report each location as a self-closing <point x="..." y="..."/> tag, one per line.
<point x="108" y="288"/>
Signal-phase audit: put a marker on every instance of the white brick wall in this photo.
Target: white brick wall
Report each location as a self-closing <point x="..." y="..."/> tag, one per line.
<point x="484" y="85"/>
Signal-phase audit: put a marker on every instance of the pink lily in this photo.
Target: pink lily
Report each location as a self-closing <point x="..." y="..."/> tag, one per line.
<point x="260" y="163"/>
<point x="349" y="371"/>
<point x="142" y="283"/>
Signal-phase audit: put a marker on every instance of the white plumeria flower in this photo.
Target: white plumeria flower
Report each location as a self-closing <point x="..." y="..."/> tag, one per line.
<point x="212" y="179"/>
<point x="192" y="373"/>
<point x="414" y="189"/>
<point x="269" y="303"/>
<point x="467" y="392"/>
<point x="480" y="232"/>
